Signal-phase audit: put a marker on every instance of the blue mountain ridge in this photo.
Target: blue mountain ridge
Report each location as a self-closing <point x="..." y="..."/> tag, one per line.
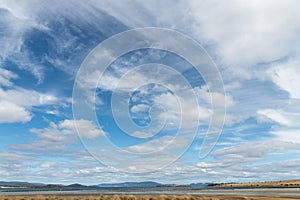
<point x="145" y="184"/>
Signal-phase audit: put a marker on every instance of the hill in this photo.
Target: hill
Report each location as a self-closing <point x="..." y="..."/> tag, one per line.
<point x="16" y="183"/>
<point x="131" y="184"/>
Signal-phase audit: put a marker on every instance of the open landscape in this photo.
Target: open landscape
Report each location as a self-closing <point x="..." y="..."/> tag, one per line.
<point x="154" y="197"/>
<point x="151" y="191"/>
<point x="149" y="99"/>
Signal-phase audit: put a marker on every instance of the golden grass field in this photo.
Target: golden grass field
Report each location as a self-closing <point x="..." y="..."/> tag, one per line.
<point x="285" y="184"/>
<point x="152" y="197"/>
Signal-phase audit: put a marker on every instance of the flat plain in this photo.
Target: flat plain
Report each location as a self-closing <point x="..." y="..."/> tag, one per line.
<point x="153" y="197"/>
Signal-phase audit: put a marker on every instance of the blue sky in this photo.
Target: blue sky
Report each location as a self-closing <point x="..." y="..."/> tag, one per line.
<point x="254" y="46"/>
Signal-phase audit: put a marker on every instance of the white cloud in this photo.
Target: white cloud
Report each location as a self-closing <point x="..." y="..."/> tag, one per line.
<point x="118" y="81"/>
<point x="175" y="106"/>
<point x="287" y="76"/>
<point x="85" y="128"/>
<point x="139" y="108"/>
<point x="27" y="98"/>
<point x="155" y="154"/>
<point x="59" y="138"/>
<point x="141" y="134"/>
<point x="232" y="85"/>
<point x="250" y="161"/>
<point x="273" y="115"/>
<point x="16" y="104"/>
<point x="64" y="25"/>
<point x="6" y="76"/>
<point x="157" y="145"/>
<point x="255" y="149"/>
<point x="17" y="21"/>
<point x="150" y="13"/>
<point x="268" y="30"/>
<point x="286" y="118"/>
<point x="13" y="29"/>
<point x="11" y="113"/>
<point x="13" y="158"/>
<point x="218" y="101"/>
<point x="288" y="135"/>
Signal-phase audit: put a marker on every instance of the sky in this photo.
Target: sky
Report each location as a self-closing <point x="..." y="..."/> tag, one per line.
<point x="168" y="91"/>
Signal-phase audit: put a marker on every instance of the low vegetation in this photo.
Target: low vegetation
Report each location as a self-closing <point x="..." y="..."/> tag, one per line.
<point x="272" y="184"/>
<point x="150" y="197"/>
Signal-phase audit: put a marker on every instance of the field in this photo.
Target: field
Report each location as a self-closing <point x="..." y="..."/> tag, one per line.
<point x="152" y="197"/>
<point x="279" y="184"/>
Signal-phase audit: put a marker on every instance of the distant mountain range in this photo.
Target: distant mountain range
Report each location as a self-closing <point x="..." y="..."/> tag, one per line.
<point x="146" y="184"/>
<point x="151" y="184"/>
<point x="131" y="184"/>
<point x="16" y="183"/>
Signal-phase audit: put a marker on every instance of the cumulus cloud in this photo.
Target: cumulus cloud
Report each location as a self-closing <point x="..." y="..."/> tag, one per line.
<point x="61" y="137"/>
<point x="16" y="103"/>
<point x="27" y="98"/>
<point x="13" y="158"/>
<point x="139" y="108"/>
<point x="175" y="106"/>
<point x="11" y="113"/>
<point x="253" y="27"/>
<point x="245" y="161"/>
<point x="158" y="145"/>
<point x="286" y="120"/>
<point x="289" y="135"/>
<point x="286" y="76"/>
<point x="85" y="128"/>
<point x="141" y="134"/>
<point x="255" y="149"/>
